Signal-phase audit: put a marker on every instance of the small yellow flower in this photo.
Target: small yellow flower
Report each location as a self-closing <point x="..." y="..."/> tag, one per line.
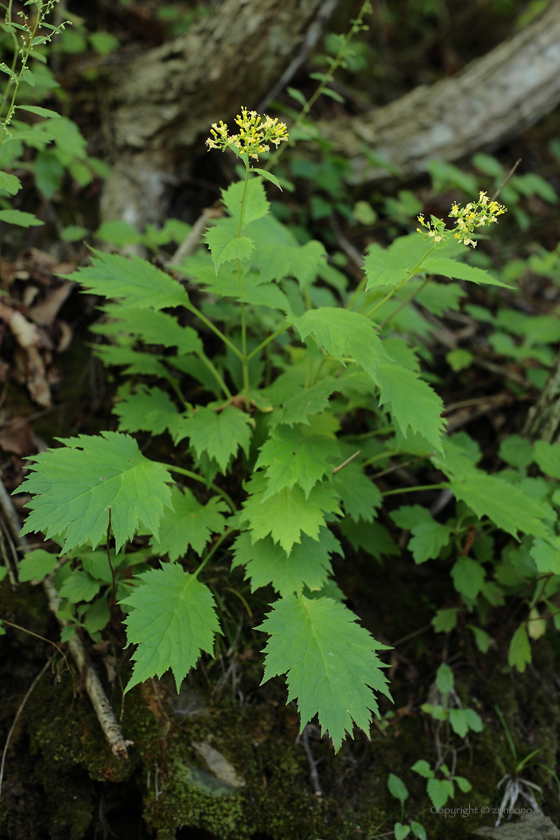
<point x="255" y="134"/>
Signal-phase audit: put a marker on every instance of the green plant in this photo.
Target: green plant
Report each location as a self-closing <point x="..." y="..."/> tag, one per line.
<point x="297" y="362"/>
<point x="440" y="790"/>
<point x="398" y="789"/>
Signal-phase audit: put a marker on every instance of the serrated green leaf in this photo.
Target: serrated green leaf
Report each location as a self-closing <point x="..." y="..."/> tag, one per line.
<point x="423" y="769"/>
<point x="517" y="451"/>
<point x="445" y="621"/>
<point x="149" y="410"/>
<point x="254" y="291"/>
<point x="463" y="784"/>
<point x="344" y="334"/>
<point x="188" y="523"/>
<point x="154" y="328"/>
<point x="297" y="408"/>
<point x="439" y="791"/>
<point x="79" y="586"/>
<point x="372" y="537"/>
<point x="481" y="638"/>
<point x="268" y="177"/>
<point x="461" y="271"/>
<point x="36" y="565"/>
<point x="219" y="433"/>
<point x="382" y="269"/>
<point x="139" y="284"/>
<point x="307" y="565"/>
<point x="40" y="112"/>
<point x="255" y="205"/>
<point x="468" y="576"/>
<point x="288" y="513"/>
<point x="146" y="364"/>
<point x="519" y="655"/>
<point x="74" y="486"/>
<point x="412" y="402"/>
<point x="331" y="663"/>
<point x="97" y="616"/>
<point x="506" y="505"/>
<point x="444" y="679"/>
<point x="411" y="516"/>
<point x="9" y="183"/>
<point x="474" y="721"/>
<point x="427" y="540"/>
<point x="397" y="787"/>
<point x="96" y="564"/>
<point x="224" y="246"/>
<point x="19" y="218"/>
<point x="278" y="254"/>
<point x="547" y="456"/>
<point x="546" y="555"/>
<point x="172" y="621"/>
<point x="293" y="457"/>
<point x="360" y="496"/>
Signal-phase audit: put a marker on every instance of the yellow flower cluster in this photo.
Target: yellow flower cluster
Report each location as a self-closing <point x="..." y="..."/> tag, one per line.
<point x="255" y="134"/>
<point x="474" y="215"/>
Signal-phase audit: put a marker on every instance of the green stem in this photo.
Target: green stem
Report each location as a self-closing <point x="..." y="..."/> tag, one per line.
<point x="215" y="373"/>
<point x="244" y="360"/>
<point x="214" y="549"/>
<point x="270" y="338"/>
<point x="328" y="77"/>
<point x="380" y="457"/>
<point x="202" y="480"/>
<point x="401" y="284"/>
<point x="401" y="305"/>
<point x="175" y="385"/>
<point x="416" y="489"/>
<point x="214" y="329"/>
<point x="24" y="59"/>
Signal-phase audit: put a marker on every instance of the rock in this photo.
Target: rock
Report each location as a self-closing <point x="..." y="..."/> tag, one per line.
<point x="529" y="827"/>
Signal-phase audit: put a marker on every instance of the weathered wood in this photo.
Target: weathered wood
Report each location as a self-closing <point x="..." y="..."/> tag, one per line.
<point x="543" y="420"/>
<point x="495" y="97"/>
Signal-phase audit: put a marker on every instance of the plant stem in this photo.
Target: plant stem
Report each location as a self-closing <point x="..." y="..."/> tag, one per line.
<point x="214" y="549"/>
<point x="416" y="489"/>
<point x="270" y="338"/>
<point x="201" y="480"/>
<point x="214" y="329"/>
<point x="401" y="284"/>
<point x="215" y="373"/>
<point x="244" y="360"/>
<point x="401" y="305"/>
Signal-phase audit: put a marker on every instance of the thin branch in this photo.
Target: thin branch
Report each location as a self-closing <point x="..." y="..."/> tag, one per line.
<point x="506" y="179"/>
<point x="348" y="461"/>
<point x="317" y="789"/>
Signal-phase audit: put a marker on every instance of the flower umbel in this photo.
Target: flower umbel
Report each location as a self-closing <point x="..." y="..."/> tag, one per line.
<point x="474" y="215"/>
<point x="255" y="134"/>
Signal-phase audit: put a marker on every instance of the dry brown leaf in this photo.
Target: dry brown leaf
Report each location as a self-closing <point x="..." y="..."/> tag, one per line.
<point x="45" y="313"/>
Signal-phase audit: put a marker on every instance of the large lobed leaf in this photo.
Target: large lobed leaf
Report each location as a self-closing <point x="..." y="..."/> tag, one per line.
<point x="172" y="621"/>
<point x="188" y="523"/>
<point x="412" y="402"/>
<point x="218" y="433"/>
<point x="149" y="410"/>
<point x="293" y="456"/>
<point x="151" y="327"/>
<point x="330" y="662"/>
<point x="74" y="486"/>
<point x="138" y="282"/>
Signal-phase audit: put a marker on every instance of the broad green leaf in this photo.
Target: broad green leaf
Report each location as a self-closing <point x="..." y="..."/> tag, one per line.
<point x="97" y="616"/>
<point x="225" y="245"/>
<point x="297" y="408"/>
<point x="547" y="456"/>
<point x="118" y="232"/>
<point x="474" y="721"/>
<point x="154" y="328"/>
<point x="439" y="791"/>
<point x="308" y="564"/>
<point x="40" y="112"/>
<point x="79" y="586"/>
<point x="360" y="496"/>
<point x="423" y="769"/>
<point x="268" y="177"/>
<point x="397" y="787"/>
<point x="74" y="486"/>
<point x="418" y="830"/>
<point x="254" y="292"/>
<point x="517" y="451"/>
<point x="463" y="784"/>
<point x="330" y="661"/>
<point x="460" y="271"/>
<point x="481" y="638"/>
<point x="547" y="556"/>
<point x="139" y="284"/>
<point x="9" y="183"/>
<point x="219" y="433"/>
<point x="146" y="364"/>
<point x="149" y="410"/>
<point x="428" y="539"/>
<point x="293" y="457"/>
<point x="519" y="655"/>
<point x="445" y="621"/>
<point x="288" y="514"/>
<point x="96" y="565"/>
<point x="505" y="504"/>
<point x="188" y="523"/>
<point x="468" y="576"/>
<point x="19" y="218"/>
<point x="412" y="402"/>
<point x="445" y="679"/>
<point x="36" y="565"/>
<point x="401" y="831"/>
<point x="278" y="254"/>
<point x="411" y="516"/>
<point x="172" y="621"/>
<point x="344" y="335"/>
<point x="382" y="268"/>
<point x="372" y="537"/>
<point x="255" y="205"/>
<point x="458" y="721"/>
<point x="437" y="712"/>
